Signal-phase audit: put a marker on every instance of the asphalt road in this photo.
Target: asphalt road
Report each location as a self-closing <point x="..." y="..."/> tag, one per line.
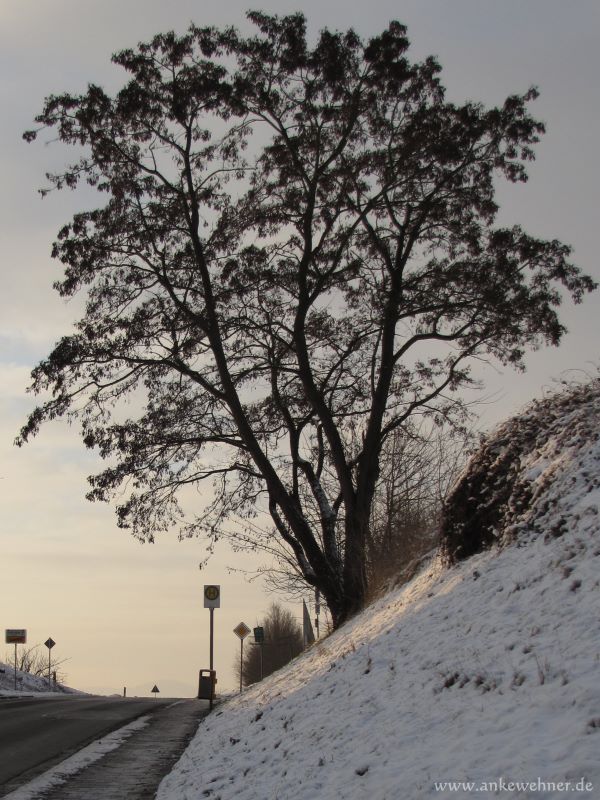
<point x="36" y="733"/>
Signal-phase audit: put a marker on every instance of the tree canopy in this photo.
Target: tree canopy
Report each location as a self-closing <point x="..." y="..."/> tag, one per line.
<point x="295" y="255"/>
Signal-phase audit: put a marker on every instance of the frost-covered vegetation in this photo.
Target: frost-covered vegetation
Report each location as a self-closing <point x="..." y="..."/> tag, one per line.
<point x="535" y="474"/>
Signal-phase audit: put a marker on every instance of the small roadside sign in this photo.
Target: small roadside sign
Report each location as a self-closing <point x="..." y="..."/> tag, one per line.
<point x="212" y="600"/>
<point x="16" y="636"/>
<point x="241" y="630"/>
<point x="212" y="596"/>
<point x="259" y="634"/>
<point x="50" y="644"/>
<point x="155" y="690"/>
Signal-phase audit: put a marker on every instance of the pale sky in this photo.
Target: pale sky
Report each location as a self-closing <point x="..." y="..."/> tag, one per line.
<point x="131" y="615"/>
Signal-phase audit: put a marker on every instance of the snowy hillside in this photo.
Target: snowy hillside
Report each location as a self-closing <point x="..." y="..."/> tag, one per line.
<point x="487" y="672"/>
<point x="26" y="683"/>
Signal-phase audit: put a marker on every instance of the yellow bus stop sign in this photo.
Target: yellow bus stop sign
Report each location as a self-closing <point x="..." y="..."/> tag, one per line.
<point x="212" y="596"/>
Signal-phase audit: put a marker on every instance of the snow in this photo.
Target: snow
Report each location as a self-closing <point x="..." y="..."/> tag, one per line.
<point x="28" y="684"/>
<point x="486" y="672"/>
<point x="80" y="760"/>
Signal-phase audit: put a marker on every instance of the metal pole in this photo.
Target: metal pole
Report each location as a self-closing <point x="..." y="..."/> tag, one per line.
<point x="241" y="662"/>
<point x="15" y="666"/>
<point x="212" y="633"/>
<point x="49" y="684"/>
<point x="317" y="610"/>
<point x="261" y="660"/>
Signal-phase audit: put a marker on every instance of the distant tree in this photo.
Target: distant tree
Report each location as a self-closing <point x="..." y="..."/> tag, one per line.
<point x="296" y="255"/>
<point x="283" y="642"/>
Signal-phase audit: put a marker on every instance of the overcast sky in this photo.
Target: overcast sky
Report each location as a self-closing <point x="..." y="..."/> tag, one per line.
<point x="127" y="614"/>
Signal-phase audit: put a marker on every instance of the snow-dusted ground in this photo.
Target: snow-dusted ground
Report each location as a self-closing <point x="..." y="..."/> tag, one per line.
<point x="488" y="672"/>
<point x="60" y="774"/>
<point x="27" y="684"/>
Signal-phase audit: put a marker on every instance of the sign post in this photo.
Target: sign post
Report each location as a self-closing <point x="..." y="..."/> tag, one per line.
<point x="49" y="644"/>
<point x="317" y="610"/>
<point x="259" y="639"/>
<point x="212" y="600"/>
<point x="16" y="636"/>
<point x="241" y="631"/>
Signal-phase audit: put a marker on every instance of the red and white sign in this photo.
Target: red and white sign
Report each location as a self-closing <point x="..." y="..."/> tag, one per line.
<point x="16" y="636"/>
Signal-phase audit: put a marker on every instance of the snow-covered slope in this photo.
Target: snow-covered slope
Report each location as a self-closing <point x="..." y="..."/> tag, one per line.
<point x="26" y="683"/>
<point x="487" y="672"/>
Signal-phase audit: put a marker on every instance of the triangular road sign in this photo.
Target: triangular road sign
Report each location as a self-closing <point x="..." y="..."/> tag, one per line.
<point x="155" y="689"/>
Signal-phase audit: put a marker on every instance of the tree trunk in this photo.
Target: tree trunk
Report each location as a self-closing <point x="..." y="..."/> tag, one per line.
<point x="354" y="590"/>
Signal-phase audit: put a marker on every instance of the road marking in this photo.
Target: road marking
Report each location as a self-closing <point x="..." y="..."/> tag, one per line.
<point x="77" y="762"/>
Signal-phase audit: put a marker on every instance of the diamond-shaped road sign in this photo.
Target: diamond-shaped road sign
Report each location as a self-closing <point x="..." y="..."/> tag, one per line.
<point x="241" y="630"/>
<point x="50" y="643"/>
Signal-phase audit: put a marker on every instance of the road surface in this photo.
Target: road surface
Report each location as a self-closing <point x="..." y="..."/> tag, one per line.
<point x="39" y="733"/>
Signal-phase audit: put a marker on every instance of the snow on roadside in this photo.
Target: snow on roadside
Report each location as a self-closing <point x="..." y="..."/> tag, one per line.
<point x="28" y="684"/>
<point x="61" y="773"/>
<point x="486" y="672"/>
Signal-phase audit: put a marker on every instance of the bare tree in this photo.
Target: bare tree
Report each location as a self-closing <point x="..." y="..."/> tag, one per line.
<point x="34" y="661"/>
<point x="283" y="642"/>
<point x="418" y="467"/>
<point x="295" y="254"/>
